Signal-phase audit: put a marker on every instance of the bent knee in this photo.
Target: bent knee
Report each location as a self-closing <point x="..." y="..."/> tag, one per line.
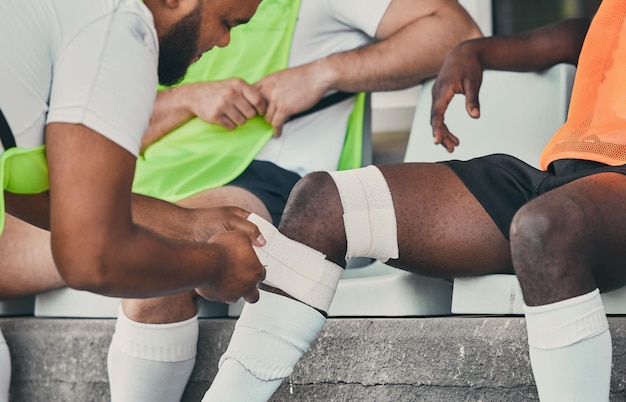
<point x="314" y="205"/>
<point x="314" y="216"/>
<point x="537" y="225"/>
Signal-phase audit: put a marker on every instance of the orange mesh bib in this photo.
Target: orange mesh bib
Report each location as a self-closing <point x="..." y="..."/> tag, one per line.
<point x="596" y="123"/>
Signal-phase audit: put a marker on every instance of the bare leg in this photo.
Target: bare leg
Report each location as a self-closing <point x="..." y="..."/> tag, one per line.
<point x="27" y="268"/>
<point x="442" y="231"/>
<point x="565" y="245"/>
<point x="169" y="323"/>
<point x="27" y="265"/>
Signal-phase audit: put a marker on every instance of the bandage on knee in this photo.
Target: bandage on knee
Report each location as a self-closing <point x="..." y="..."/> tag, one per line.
<point x="368" y="213"/>
<point x="299" y="270"/>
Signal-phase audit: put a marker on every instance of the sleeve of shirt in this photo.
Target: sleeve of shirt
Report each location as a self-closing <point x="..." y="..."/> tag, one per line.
<point x="363" y="14"/>
<point x="105" y="77"/>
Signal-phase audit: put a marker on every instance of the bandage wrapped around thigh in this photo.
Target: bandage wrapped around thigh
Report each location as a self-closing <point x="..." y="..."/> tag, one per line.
<point x="368" y="213"/>
<point x="299" y="270"/>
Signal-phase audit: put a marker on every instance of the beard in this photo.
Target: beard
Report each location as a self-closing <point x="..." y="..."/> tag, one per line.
<point x="179" y="47"/>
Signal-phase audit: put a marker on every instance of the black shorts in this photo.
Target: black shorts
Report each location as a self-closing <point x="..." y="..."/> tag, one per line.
<point x="272" y="184"/>
<point x="503" y="183"/>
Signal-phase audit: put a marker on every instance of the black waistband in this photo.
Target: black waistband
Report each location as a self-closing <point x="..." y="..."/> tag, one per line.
<point x="6" y="135"/>
<point x="324" y="103"/>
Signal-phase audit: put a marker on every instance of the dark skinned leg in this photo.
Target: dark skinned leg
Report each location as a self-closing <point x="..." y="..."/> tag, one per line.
<point x="570" y="241"/>
<point x="442" y="229"/>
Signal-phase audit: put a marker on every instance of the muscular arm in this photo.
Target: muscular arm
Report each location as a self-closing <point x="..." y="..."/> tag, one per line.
<point x="412" y="40"/>
<point x="96" y="245"/>
<point x="529" y="51"/>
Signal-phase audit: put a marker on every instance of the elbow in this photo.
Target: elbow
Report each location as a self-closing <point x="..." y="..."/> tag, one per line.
<point x="83" y="269"/>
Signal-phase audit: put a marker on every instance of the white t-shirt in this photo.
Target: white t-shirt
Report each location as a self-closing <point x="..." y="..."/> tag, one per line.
<point x="77" y="61"/>
<point x="324" y="27"/>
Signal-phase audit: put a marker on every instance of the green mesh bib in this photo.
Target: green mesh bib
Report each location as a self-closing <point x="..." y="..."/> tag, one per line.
<point x="23" y="171"/>
<point x="198" y="155"/>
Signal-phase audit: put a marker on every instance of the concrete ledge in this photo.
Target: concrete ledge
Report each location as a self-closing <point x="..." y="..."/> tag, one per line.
<point x="427" y="359"/>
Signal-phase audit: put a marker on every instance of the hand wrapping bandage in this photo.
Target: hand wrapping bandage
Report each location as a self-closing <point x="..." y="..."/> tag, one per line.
<point x="299" y="270"/>
<point x="369" y="216"/>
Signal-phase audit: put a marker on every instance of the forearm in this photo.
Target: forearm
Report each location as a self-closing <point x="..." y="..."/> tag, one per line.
<point x="173" y="222"/>
<point x="159" y="266"/>
<point x="529" y="51"/>
<point x="171" y="109"/>
<point x="405" y="58"/>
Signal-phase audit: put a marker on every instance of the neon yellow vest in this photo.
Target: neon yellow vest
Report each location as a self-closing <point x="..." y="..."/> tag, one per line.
<point x="199" y="155"/>
<point x="23" y="171"/>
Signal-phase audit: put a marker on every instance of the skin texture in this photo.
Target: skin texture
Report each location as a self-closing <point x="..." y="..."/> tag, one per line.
<point x="105" y="240"/>
<point x="563" y="243"/>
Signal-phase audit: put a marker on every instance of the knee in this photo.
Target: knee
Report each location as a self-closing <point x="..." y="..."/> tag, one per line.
<point x="541" y="232"/>
<point x="313" y="214"/>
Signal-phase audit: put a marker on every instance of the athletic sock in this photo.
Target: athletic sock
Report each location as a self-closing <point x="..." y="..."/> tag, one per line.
<point x="151" y="362"/>
<point x="5" y="370"/>
<point x="269" y="338"/>
<point x="570" y="349"/>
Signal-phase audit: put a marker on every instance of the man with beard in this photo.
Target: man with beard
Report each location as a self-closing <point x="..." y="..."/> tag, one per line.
<point x="78" y="81"/>
<point x="291" y="55"/>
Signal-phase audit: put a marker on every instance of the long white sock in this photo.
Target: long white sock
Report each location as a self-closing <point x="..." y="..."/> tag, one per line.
<point x="269" y="338"/>
<point x="5" y="370"/>
<point x="570" y="349"/>
<point x="151" y="362"/>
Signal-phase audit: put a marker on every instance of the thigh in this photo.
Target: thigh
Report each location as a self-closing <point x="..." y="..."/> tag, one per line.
<point x="442" y="229"/>
<point x="225" y="196"/>
<point x="593" y="216"/>
<point x="27" y="264"/>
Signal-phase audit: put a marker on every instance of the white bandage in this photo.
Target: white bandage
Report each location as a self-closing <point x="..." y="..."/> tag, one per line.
<point x="299" y="270"/>
<point x="283" y="341"/>
<point x="368" y="213"/>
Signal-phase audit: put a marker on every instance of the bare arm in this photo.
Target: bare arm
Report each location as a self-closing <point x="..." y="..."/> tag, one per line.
<point x="97" y="246"/>
<point x="413" y="39"/>
<point x="531" y="51"/>
<point x="228" y="103"/>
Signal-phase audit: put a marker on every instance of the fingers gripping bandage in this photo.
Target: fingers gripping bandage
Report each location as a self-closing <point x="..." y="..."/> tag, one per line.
<point x="299" y="270"/>
<point x="368" y="213"/>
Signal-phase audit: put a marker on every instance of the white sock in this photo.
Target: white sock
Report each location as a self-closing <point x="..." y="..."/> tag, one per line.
<point x="269" y="338"/>
<point x="151" y="362"/>
<point x="570" y="349"/>
<point x="5" y="370"/>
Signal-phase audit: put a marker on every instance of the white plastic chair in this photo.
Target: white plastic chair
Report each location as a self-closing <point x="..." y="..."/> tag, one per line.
<point x="519" y="114"/>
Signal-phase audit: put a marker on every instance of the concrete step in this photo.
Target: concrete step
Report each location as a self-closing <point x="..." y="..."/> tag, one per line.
<point x="455" y="358"/>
